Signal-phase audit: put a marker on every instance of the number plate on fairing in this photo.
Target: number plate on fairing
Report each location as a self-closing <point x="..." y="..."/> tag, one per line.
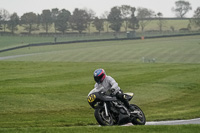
<point x="91" y="98"/>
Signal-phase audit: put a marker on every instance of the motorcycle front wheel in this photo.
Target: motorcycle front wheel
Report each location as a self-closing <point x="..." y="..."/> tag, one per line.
<point x="101" y="117"/>
<point x="138" y="116"/>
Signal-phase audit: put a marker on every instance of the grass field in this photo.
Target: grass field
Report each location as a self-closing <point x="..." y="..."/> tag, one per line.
<point x="19" y="40"/>
<point x="165" y="50"/>
<point x="46" y="90"/>
<point x="115" y="129"/>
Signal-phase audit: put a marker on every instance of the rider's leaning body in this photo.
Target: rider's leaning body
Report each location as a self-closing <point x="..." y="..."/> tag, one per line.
<point x="108" y="85"/>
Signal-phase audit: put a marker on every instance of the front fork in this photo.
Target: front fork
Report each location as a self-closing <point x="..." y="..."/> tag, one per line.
<point x="106" y="109"/>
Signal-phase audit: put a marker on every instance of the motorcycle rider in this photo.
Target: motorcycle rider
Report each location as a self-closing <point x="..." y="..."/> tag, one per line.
<point x="107" y="84"/>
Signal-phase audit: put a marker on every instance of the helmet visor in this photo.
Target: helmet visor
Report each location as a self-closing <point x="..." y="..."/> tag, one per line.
<point x="98" y="79"/>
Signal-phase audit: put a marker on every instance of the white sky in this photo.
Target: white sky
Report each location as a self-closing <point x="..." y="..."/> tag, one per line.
<point x="98" y="6"/>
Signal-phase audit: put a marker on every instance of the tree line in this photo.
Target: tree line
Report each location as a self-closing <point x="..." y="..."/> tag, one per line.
<point x="82" y="19"/>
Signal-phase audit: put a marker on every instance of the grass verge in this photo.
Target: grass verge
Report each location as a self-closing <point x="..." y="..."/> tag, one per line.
<point x="38" y="94"/>
<point x="116" y="129"/>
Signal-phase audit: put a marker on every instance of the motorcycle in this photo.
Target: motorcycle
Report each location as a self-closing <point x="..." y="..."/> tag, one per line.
<point x="110" y="111"/>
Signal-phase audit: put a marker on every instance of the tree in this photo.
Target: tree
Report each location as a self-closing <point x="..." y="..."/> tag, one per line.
<point x="54" y="16"/>
<point x="144" y="15"/>
<point x="133" y="22"/>
<point x="0" y="21"/>
<point x="13" y="22"/>
<point x="5" y="16"/>
<point x="46" y="19"/>
<point x="126" y="12"/>
<point x="98" y="23"/>
<point x="104" y="16"/>
<point x="38" y="22"/>
<point x="29" y="19"/>
<point x="115" y="18"/>
<point x="62" y="20"/>
<point x="91" y="17"/>
<point x="79" y="20"/>
<point x="161" y="22"/>
<point x="182" y="8"/>
<point x="196" y="17"/>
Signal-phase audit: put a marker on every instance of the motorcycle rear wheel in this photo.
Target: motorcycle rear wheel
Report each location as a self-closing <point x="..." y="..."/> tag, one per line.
<point x="101" y="117"/>
<point x="139" y="117"/>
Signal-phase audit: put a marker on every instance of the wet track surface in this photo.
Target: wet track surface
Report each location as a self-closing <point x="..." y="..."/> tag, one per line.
<point x="173" y="122"/>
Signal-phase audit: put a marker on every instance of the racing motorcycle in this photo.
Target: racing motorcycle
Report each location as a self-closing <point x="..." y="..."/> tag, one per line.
<point x="110" y="111"/>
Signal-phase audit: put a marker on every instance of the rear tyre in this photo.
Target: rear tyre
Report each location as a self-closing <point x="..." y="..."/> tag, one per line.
<point x="138" y="116"/>
<point x="101" y="117"/>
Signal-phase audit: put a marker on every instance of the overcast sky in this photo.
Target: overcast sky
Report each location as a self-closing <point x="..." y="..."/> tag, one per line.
<point x="98" y="6"/>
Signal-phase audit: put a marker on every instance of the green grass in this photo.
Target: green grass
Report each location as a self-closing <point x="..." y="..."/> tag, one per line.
<point x="47" y="90"/>
<point x="165" y="50"/>
<point x="177" y="24"/>
<point x="115" y="129"/>
<point x="54" y="94"/>
<point x="13" y="41"/>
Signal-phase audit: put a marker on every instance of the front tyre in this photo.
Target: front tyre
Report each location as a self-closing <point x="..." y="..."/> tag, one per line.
<point x="101" y="117"/>
<point x="138" y="116"/>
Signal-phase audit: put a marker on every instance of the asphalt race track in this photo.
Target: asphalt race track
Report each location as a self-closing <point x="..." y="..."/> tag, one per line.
<point x="174" y="122"/>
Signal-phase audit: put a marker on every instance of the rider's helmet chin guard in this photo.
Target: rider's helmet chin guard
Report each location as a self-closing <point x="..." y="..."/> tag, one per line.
<point x="99" y="75"/>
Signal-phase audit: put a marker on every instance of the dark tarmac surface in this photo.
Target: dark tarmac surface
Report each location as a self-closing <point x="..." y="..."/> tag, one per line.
<point x="173" y="122"/>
